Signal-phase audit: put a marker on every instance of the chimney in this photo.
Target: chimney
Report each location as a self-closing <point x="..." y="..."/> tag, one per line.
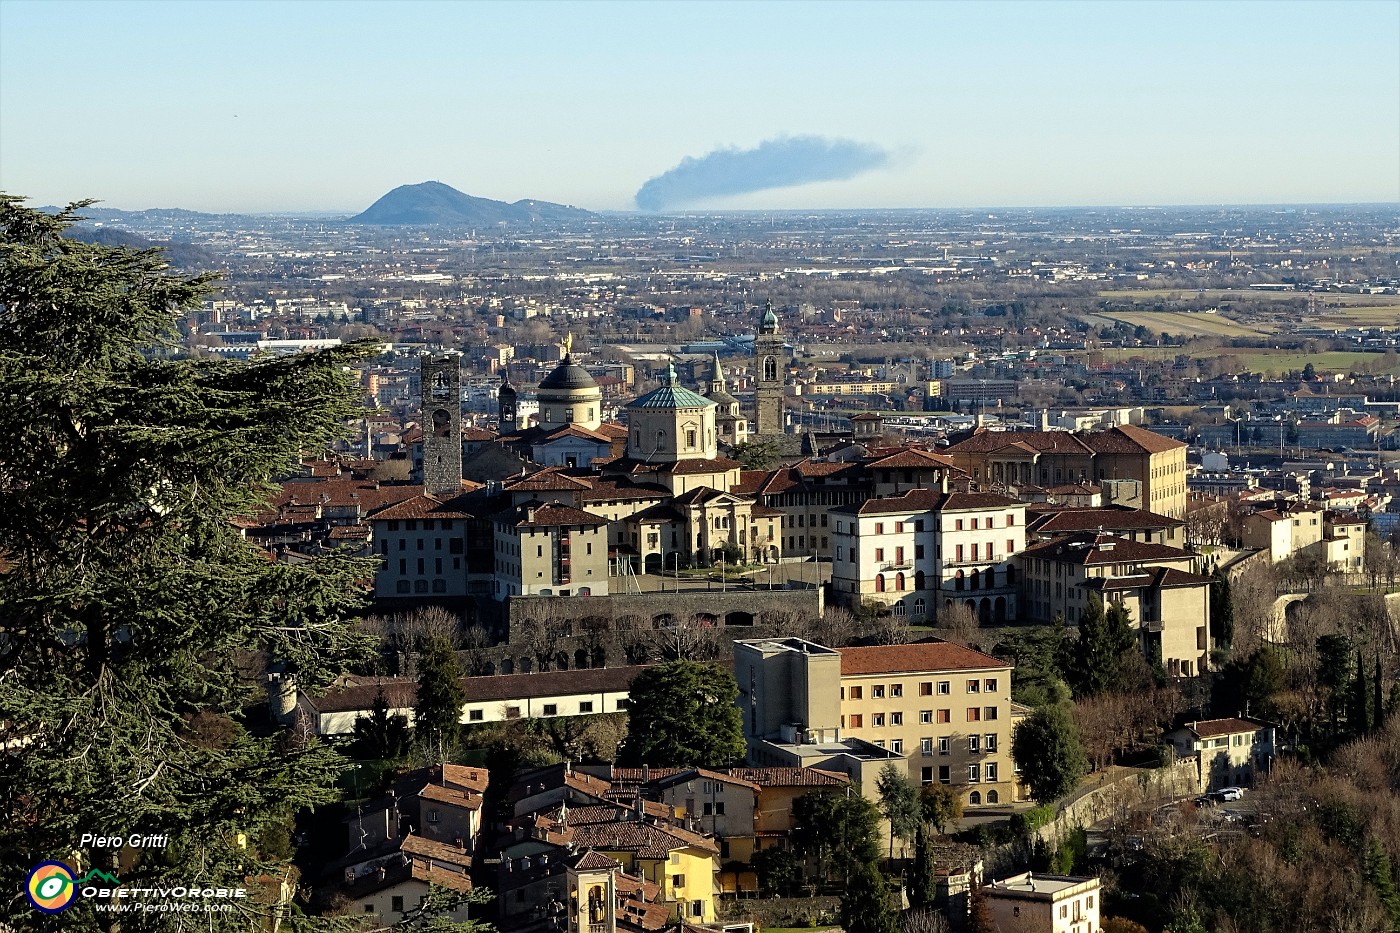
<point x="646" y="774"/>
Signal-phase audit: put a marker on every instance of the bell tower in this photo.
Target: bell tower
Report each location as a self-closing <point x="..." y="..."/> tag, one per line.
<point x="592" y="894"/>
<point x="507" y="403"/>
<point x="441" y="378"/>
<point x="770" y="360"/>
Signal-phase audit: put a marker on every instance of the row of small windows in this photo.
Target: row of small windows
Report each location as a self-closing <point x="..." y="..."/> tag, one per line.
<point x="976" y="774"/>
<point x="446" y="524"/>
<point x="878" y="720"/>
<point x="454" y="545"/>
<point x="927" y="688"/>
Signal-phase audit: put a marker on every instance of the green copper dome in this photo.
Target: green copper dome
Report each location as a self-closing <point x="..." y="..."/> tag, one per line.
<point x="671" y="395"/>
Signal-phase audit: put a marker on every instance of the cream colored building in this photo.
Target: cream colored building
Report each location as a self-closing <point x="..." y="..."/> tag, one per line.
<point x="940" y="711"/>
<point x="1228" y="752"/>
<point x="1034" y="903"/>
<point x="1339" y="538"/>
<point x="550" y="550"/>
<point x="921" y="551"/>
<point x="1168" y="600"/>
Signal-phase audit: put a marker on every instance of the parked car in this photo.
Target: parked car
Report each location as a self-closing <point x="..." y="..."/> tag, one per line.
<point x="1228" y="794"/>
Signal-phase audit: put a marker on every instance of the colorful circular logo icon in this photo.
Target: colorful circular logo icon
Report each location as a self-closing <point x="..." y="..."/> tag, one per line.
<point x="51" y="887"/>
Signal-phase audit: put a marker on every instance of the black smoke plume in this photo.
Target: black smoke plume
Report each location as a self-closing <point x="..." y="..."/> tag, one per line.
<point x="774" y="163"/>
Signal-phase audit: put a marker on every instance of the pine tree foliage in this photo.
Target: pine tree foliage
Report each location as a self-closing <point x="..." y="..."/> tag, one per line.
<point x="899" y="802"/>
<point x="381" y="734"/>
<point x="129" y="600"/>
<point x="865" y="903"/>
<point x="683" y="714"/>
<point x="1046" y="747"/>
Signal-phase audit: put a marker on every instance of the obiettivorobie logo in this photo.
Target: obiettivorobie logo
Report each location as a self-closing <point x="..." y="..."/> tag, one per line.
<point x="52" y="888"/>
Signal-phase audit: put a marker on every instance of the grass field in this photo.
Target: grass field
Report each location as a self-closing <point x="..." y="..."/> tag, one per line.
<point x="1332" y="308"/>
<point x="1179" y="323"/>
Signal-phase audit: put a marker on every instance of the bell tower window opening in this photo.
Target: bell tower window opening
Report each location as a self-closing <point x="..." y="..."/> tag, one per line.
<point x="770" y="369"/>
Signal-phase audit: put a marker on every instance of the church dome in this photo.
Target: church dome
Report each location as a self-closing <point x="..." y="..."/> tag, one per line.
<point x="568" y="376"/>
<point x="671" y="395"/>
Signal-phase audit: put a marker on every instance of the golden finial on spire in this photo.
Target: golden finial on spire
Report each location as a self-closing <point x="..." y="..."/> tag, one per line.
<point x="569" y="343"/>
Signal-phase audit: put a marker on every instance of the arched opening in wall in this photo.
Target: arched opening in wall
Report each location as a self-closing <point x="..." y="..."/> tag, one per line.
<point x="739" y="618"/>
<point x="974" y="798"/>
<point x="561" y="661"/>
<point x="974" y="580"/>
<point x="663" y="620"/>
<point x="420" y="586"/>
<point x="958" y="581"/>
<point x="1011" y="575"/>
<point x="990" y="578"/>
<point x="972" y="606"/>
<point x="442" y="423"/>
<point x="584" y="591"/>
<point x="651" y="563"/>
<point x="984" y="611"/>
<point x="920" y="609"/>
<point x="706" y="619"/>
<point x="525" y="665"/>
<point x="999" y="610"/>
<point x="899" y="582"/>
<point x="439" y="586"/>
<point x="993" y="797"/>
<point x="879" y="582"/>
<point x="489" y="669"/>
<point x="770" y="369"/>
<point x="919" y="580"/>
<point x="507" y="666"/>
<point x="581" y="658"/>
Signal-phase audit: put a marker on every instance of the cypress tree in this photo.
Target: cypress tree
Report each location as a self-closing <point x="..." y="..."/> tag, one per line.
<point x="1377" y="699"/>
<point x="1359" y="707"/>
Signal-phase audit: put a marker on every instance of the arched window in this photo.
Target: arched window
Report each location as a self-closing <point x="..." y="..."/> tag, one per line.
<point x="899" y="582"/>
<point x="993" y="797"/>
<point x="1010" y="574"/>
<point x="879" y="582"/>
<point x="920" y="607"/>
<point x="974" y="580"/>
<point x="991" y="575"/>
<point x="974" y="798"/>
<point x="770" y="369"/>
<point x="958" y="581"/>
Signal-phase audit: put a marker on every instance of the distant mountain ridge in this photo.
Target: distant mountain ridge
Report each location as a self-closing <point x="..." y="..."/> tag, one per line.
<point x="433" y="203"/>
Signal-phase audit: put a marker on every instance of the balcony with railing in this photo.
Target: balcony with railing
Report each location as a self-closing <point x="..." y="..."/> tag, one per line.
<point x="970" y="561"/>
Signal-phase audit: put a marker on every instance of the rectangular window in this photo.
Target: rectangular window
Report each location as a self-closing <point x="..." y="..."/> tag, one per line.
<point x="958" y="524"/>
<point x="944" y="777"/>
<point x="896" y="690"/>
<point x="879" y="553"/>
<point x="990" y="740"/>
<point x="1010" y="547"/>
<point x="991" y="685"/>
<point x="925" y="746"/>
<point x="551" y="709"/>
<point x="585" y="706"/>
<point x="945" y="745"/>
<point x="945" y="715"/>
<point x="857" y="720"/>
<point x="879" y="528"/>
<point x="926" y="688"/>
<point x="926" y="716"/>
<point x="877" y="720"/>
<point x="697" y="908"/>
<point x="476" y="715"/>
<point x="926" y="775"/>
<point x="897" y="746"/>
<point x="974" y="714"/>
<point x="974" y="744"/>
<point x="877" y="692"/>
<point x="991" y="771"/>
<point x="396" y="903"/>
<point x="678" y="881"/>
<point x="974" y="774"/>
<point x="1010" y="521"/>
<point x="944" y="687"/>
<point x="896" y="719"/>
<point x="856" y="692"/>
<point x="991" y="713"/>
<point x="974" y="524"/>
<point x="973" y="686"/>
<point x="959" y="553"/>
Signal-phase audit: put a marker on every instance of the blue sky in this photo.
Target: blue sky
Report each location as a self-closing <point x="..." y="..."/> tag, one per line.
<point x="326" y="105"/>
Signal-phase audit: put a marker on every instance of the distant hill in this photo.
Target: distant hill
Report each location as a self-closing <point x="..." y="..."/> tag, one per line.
<point x="432" y="202"/>
<point x="181" y="255"/>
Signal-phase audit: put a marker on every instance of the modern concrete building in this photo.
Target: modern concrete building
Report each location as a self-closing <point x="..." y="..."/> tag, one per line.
<point x="938" y="710"/>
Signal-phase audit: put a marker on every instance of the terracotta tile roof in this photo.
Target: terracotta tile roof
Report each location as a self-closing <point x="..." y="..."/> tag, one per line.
<point x="432" y="849"/>
<point x="1129" y="438"/>
<point x="791" y="777"/>
<point x="918" y="657"/>
<point x="620" y="488"/>
<point x="1045" y="442"/>
<point x="422" y="507"/>
<point x="750" y="481"/>
<point x="647" y="840"/>
<point x="931" y="500"/>
<point x="539" y="515"/>
<point x="349" y="533"/>
<point x="1061" y="520"/>
<point x="1092" y="548"/>
<point x="441" y="875"/>
<point x="725" y="776"/>
<point x="579" y="431"/>
<point x="1213" y="728"/>
<point x="546" y="480"/>
<point x="911" y="459"/>
<point x="478" y="434"/>
<point x="359" y="693"/>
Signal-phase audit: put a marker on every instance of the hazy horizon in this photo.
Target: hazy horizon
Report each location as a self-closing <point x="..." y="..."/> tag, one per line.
<point x="702" y="107"/>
